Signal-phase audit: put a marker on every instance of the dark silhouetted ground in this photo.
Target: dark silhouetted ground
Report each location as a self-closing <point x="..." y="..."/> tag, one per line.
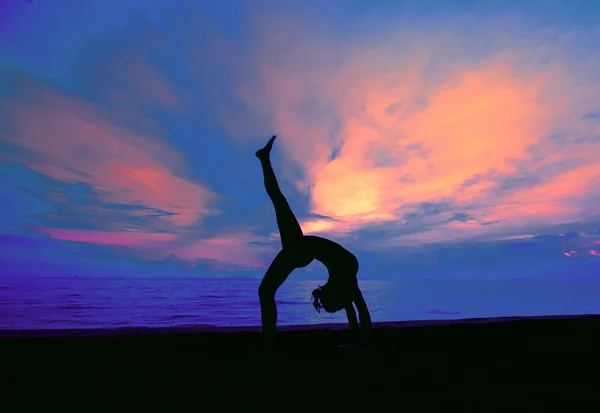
<point x="513" y="365"/>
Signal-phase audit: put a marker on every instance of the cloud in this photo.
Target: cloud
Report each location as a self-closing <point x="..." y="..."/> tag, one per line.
<point x="422" y="114"/>
<point x="124" y="238"/>
<point x="418" y="130"/>
<point x="233" y="249"/>
<point x="100" y="170"/>
<point x="106" y="154"/>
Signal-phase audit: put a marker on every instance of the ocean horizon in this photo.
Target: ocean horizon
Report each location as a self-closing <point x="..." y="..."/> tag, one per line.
<point x="33" y="303"/>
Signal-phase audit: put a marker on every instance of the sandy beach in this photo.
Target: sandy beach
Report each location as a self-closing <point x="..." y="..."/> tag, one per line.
<point x="479" y="365"/>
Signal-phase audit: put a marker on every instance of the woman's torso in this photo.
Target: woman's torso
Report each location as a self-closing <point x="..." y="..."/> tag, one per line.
<point x="337" y="259"/>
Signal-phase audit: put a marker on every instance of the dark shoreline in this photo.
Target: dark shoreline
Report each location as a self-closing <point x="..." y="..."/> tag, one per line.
<point x="199" y="329"/>
<point x="507" y="364"/>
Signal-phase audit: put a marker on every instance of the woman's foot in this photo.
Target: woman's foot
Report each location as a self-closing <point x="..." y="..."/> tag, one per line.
<point x="264" y="153"/>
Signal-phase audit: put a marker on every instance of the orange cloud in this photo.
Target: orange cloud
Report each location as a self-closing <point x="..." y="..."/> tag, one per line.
<point x="473" y="124"/>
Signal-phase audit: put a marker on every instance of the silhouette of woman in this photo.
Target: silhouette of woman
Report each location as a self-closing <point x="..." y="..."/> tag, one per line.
<point x="298" y="250"/>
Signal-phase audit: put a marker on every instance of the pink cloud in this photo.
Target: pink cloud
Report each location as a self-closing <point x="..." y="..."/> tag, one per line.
<point x="228" y="249"/>
<point x="232" y="249"/>
<point x="122" y="238"/>
<point x="583" y="246"/>
<point x="71" y="141"/>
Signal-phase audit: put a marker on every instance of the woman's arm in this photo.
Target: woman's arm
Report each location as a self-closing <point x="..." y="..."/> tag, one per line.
<point x="364" y="317"/>
<point x="351" y="314"/>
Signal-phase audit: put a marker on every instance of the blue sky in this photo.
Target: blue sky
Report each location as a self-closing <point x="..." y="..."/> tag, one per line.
<point x="433" y="139"/>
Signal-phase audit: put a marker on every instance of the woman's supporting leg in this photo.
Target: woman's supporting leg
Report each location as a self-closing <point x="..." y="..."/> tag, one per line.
<point x="289" y="228"/>
<point x="281" y="267"/>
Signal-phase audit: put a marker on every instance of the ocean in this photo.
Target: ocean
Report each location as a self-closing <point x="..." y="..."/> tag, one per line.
<point x="85" y="302"/>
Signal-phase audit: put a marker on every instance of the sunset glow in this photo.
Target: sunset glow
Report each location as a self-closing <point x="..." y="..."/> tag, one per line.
<point x="417" y="131"/>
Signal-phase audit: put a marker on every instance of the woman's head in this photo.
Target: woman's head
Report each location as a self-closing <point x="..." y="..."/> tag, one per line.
<point x="329" y="298"/>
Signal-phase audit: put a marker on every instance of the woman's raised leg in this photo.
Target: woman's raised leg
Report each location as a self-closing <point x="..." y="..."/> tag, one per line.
<point x="289" y="228"/>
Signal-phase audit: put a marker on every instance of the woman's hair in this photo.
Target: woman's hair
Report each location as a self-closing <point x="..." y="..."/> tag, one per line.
<point x="316" y="297"/>
<point x="326" y="297"/>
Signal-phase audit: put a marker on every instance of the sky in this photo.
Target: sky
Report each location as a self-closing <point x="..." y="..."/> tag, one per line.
<point x="433" y="139"/>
